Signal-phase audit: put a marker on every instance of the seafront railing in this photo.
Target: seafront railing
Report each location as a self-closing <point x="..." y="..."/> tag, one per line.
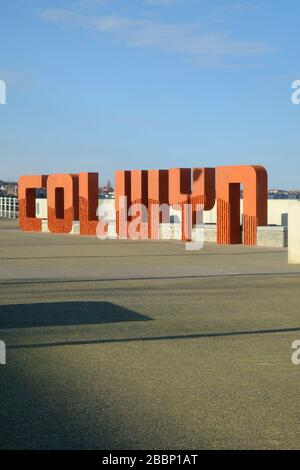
<point x="9" y="207"/>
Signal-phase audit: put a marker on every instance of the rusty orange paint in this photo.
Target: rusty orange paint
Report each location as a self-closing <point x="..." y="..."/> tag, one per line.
<point x="122" y="190"/>
<point x="63" y="202"/>
<point x="139" y="197"/>
<point x="75" y="197"/>
<point x="158" y="196"/>
<point x="203" y="190"/>
<point x="27" y="194"/>
<point x="203" y="187"/>
<point x="88" y="203"/>
<point x="179" y="194"/>
<point x="254" y="178"/>
<point x="179" y="186"/>
<point x="191" y="186"/>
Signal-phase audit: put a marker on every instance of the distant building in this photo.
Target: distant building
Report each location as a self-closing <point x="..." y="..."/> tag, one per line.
<point x="283" y="194"/>
<point x="107" y="191"/>
<point x="8" y="189"/>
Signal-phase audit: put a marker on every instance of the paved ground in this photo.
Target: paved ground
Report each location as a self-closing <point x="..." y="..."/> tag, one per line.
<point x="121" y="344"/>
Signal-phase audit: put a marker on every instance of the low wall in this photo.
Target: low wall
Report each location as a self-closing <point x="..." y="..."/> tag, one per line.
<point x="294" y="234"/>
<point x="277" y="210"/>
<point x="270" y="236"/>
<point x="274" y="235"/>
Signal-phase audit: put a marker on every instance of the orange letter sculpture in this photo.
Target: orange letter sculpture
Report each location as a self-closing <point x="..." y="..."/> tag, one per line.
<point x="179" y="193"/>
<point x="255" y="210"/>
<point x="158" y="201"/>
<point x="182" y="191"/>
<point x="139" y="201"/>
<point x="75" y="197"/>
<point x="62" y="199"/>
<point x="203" y="188"/>
<point x="27" y="193"/>
<point x="122" y="201"/>
<point x="88" y="203"/>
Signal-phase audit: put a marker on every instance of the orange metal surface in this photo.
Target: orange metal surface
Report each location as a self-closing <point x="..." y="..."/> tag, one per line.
<point x="255" y="200"/>
<point x="158" y="201"/>
<point x="88" y="203"/>
<point x="75" y="197"/>
<point x="27" y="194"/>
<point x="63" y="202"/>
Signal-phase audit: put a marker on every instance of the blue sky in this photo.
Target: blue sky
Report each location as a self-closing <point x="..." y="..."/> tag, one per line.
<point x="100" y="85"/>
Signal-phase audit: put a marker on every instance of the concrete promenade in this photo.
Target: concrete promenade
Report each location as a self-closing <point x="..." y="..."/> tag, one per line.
<point x="140" y="344"/>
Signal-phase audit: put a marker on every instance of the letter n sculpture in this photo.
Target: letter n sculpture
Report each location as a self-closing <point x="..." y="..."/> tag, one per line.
<point x="255" y="203"/>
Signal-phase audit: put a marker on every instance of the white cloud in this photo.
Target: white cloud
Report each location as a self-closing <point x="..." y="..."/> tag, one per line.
<point x="186" y="39"/>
